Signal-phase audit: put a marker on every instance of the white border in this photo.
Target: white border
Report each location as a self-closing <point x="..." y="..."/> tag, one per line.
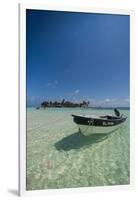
<point x="22" y="96"/>
<point x="22" y="100"/>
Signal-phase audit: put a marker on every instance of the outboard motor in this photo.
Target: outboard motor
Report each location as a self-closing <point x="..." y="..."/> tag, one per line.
<point x="117" y="113"/>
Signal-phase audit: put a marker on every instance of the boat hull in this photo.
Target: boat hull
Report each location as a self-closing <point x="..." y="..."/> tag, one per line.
<point x="88" y="130"/>
<point x="98" y="124"/>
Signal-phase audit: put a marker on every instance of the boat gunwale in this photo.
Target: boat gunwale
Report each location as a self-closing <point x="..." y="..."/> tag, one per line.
<point x="99" y="118"/>
<point x="101" y="122"/>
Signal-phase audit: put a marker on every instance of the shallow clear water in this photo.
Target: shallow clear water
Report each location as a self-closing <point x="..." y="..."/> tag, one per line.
<point x="60" y="157"/>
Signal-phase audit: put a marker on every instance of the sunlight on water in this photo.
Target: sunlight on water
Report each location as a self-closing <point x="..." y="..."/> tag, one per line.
<point x="60" y="157"/>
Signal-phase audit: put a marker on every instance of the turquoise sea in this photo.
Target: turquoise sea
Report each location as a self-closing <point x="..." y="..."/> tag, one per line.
<point x="60" y="157"/>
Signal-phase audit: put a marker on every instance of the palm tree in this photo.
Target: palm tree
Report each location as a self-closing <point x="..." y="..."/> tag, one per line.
<point x="88" y="103"/>
<point x="62" y="102"/>
<point x="44" y="104"/>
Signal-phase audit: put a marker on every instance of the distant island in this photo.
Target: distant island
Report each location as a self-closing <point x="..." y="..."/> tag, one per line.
<point x="63" y="103"/>
<point x="69" y="104"/>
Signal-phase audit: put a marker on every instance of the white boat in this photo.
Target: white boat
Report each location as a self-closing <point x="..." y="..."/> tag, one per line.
<point x="91" y="124"/>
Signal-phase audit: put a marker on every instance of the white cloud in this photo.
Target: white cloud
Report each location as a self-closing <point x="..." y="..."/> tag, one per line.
<point x="52" y="84"/>
<point x="76" y="92"/>
<point x="56" y="82"/>
<point x="127" y="100"/>
<point x="107" y="100"/>
<point x="34" y="98"/>
<point x="49" y="84"/>
<point x="116" y="102"/>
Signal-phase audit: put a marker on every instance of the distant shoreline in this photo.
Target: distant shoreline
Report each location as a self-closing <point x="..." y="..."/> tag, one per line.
<point x="90" y="107"/>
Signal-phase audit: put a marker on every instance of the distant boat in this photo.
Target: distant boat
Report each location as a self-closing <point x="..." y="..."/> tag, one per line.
<point x="91" y="124"/>
<point x="37" y="108"/>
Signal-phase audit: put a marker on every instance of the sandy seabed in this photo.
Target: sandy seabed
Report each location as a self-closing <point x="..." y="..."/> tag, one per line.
<point x="60" y="157"/>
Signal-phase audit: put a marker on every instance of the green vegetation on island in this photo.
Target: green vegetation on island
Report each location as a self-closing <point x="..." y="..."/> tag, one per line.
<point x="64" y="103"/>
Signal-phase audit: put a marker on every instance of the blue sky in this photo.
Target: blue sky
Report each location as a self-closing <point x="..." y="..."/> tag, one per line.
<point x="77" y="56"/>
